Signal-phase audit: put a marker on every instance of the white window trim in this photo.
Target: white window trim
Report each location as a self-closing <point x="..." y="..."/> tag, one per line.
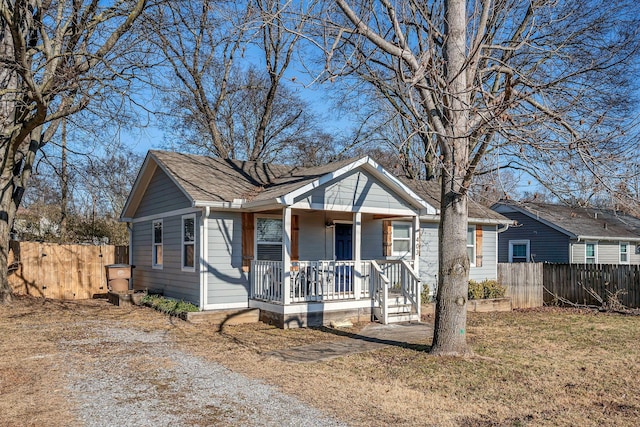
<point x="183" y="267"/>
<point x="519" y="242"/>
<point x="255" y="233"/>
<point x="472" y="262"/>
<point x="628" y="253"/>
<point x="394" y="252"/>
<point x="154" y="244"/>
<point x="595" y="251"/>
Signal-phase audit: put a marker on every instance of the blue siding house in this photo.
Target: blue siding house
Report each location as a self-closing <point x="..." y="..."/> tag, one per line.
<point x="346" y="240"/>
<point x="570" y="235"/>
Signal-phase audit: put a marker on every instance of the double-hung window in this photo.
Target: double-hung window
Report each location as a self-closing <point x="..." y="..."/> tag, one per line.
<point x="269" y="239"/>
<point x="189" y="242"/>
<point x="401" y="238"/>
<point x="624" y="253"/>
<point x="591" y="253"/>
<point x="156" y="238"/>
<point x="471" y="244"/>
<point x="518" y="250"/>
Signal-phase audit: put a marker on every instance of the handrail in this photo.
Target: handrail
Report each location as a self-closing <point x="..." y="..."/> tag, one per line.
<point x="414" y="294"/>
<point x="381" y="289"/>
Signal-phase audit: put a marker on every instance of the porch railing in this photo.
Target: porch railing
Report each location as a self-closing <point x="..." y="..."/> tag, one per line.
<point x="380" y="286"/>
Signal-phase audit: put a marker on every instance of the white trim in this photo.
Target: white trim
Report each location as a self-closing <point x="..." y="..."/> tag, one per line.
<point x="415" y="247"/>
<point x="204" y="257"/>
<point x="176" y="212"/>
<point x="286" y="254"/>
<point x="609" y="239"/>
<point x="223" y="306"/>
<point x="311" y="307"/>
<point x="478" y="221"/>
<point x="357" y="249"/>
<point x="255" y="232"/>
<point x="395" y="253"/>
<point x="303" y="204"/>
<point x="472" y="262"/>
<point x="183" y="243"/>
<point x="520" y="242"/>
<point x="595" y="251"/>
<point x="288" y="199"/>
<point x="154" y="244"/>
<point x="628" y="261"/>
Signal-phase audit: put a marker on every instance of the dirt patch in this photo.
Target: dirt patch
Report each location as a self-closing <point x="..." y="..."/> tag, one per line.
<point x="537" y="367"/>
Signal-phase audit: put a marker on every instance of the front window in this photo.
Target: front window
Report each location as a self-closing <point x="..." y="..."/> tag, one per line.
<point x="269" y="239"/>
<point x="471" y="244"/>
<point x="157" y="244"/>
<point x="624" y="253"/>
<point x="591" y="253"/>
<point x="401" y="238"/>
<point x="518" y="251"/>
<point x="189" y="242"/>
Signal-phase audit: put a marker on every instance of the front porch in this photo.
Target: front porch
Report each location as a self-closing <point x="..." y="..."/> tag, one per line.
<point x="386" y="290"/>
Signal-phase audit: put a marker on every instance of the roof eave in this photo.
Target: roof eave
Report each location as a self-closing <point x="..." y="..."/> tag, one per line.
<point x="608" y="238"/>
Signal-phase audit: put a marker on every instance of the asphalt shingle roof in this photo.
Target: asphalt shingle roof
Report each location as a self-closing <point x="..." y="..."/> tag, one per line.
<point x="210" y="179"/>
<point x="582" y="221"/>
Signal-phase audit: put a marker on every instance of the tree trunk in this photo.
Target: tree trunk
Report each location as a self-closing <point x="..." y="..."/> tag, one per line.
<point x="450" y="337"/>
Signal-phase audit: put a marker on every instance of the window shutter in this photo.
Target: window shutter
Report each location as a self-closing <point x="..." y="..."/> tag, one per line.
<point x="295" y="256"/>
<point x="387" y="238"/>
<point x="478" y="246"/>
<point x="248" y="236"/>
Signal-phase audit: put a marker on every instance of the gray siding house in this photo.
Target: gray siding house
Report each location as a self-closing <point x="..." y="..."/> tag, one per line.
<point x="570" y="235"/>
<point x="303" y="245"/>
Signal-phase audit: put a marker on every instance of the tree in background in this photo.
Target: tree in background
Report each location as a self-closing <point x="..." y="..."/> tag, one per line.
<point x="220" y="102"/>
<point x="55" y="58"/>
<point x="536" y="83"/>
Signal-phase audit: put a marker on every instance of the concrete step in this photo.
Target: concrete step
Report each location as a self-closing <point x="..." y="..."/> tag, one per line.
<point x="402" y="317"/>
<point x="227" y="317"/>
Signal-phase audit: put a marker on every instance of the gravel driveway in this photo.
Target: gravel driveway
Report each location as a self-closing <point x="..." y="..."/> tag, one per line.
<point x="122" y="376"/>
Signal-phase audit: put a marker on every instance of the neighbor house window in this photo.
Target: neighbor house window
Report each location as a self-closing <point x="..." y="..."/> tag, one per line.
<point x="401" y="238"/>
<point x="624" y="253"/>
<point x="591" y="253"/>
<point x="189" y="242"/>
<point x="269" y="239"/>
<point x="156" y="261"/>
<point x="471" y="244"/>
<point x="518" y="251"/>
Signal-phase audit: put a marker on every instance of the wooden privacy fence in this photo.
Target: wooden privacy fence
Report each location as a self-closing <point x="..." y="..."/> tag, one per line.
<point x="523" y="282"/>
<point x="569" y="281"/>
<point x="62" y="271"/>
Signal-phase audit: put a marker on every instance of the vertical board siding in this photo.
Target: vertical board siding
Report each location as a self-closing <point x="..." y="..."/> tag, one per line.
<point x="571" y="282"/>
<point x="64" y="272"/>
<point x="524" y="283"/>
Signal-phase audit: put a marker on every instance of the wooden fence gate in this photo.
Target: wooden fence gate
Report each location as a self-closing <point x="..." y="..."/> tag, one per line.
<point x="523" y="282"/>
<point x="63" y="272"/>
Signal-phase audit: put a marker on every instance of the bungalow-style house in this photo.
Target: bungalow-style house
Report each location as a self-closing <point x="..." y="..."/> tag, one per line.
<point x="304" y="245"/>
<point x="571" y="235"/>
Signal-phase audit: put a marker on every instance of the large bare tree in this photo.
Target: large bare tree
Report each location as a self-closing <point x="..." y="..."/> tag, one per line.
<point x="225" y="89"/>
<point x="55" y="57"/>
<point x="532" y="81"/>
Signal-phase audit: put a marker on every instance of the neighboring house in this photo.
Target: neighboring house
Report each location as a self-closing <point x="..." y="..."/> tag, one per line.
<point x="304" y="245"/>
<point x="563" y="234"/>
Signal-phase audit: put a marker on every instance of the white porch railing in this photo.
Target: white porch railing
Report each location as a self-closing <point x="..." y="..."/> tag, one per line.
<point x="380" y="285"/>
<point x="337" y="280"/>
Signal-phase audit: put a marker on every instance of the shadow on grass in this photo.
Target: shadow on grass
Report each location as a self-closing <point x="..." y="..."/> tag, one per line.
<point x="386" y="341"/>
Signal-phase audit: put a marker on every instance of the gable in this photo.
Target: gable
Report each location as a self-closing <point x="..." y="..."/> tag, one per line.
<point x="161" y="195"/>
<point x="356" y="190"/>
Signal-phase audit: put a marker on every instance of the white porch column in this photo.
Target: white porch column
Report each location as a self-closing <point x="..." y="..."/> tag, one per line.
<point x="415" y="246"/>
<point x="357" y="245"/>
<point x="286" y="255"/>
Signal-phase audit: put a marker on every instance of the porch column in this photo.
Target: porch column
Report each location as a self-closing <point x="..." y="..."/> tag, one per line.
<point x="357" y="244"/>
<point x="415" y="246"/>
<point x="286" y="255"/>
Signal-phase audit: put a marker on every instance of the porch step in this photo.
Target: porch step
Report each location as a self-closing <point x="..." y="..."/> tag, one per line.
<point x="403" y="317"/>
<point x="400" y="308"/>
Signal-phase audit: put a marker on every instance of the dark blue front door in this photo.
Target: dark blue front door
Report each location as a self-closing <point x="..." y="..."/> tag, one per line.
<point x="344" y="242"/>
<point x="344" y="252"/>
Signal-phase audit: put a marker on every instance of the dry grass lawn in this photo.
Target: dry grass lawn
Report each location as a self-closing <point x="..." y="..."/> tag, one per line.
<point x="542" y="367"/>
